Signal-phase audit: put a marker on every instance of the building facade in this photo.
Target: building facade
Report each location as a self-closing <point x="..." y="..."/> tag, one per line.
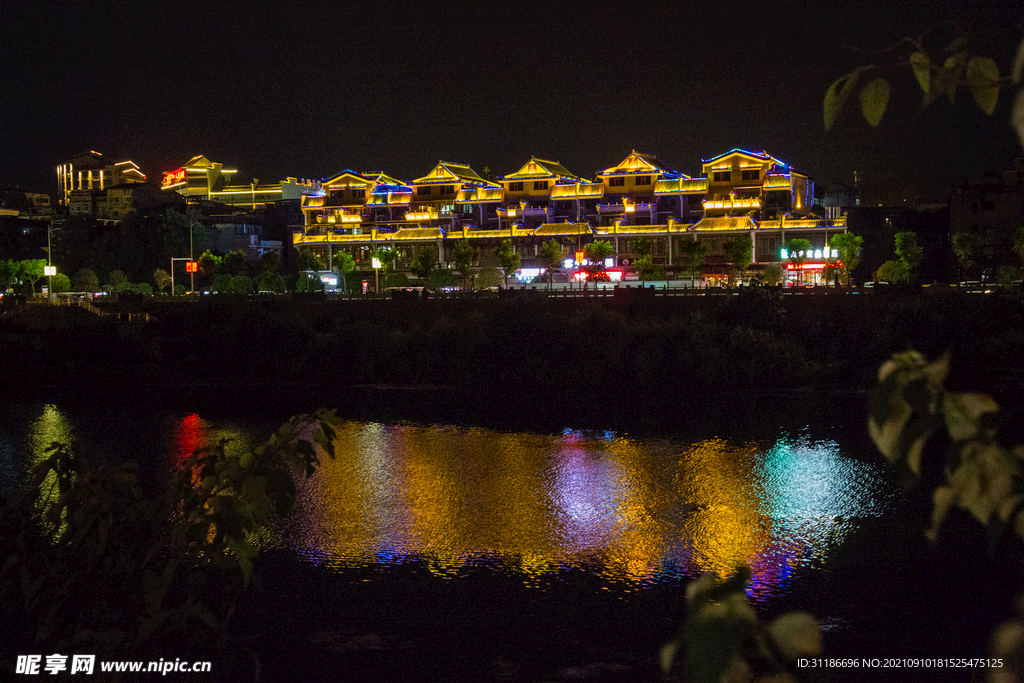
<point x="90" y="171"/>
<point x="740" y="193"/>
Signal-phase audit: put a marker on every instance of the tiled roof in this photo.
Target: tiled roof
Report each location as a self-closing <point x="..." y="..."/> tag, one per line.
<point x="578" y="190"/>
<point x="677" y="185"/>
<point x="564" y="229"/>
<point x="726" y="223"/>
<point x="542" y="169"/>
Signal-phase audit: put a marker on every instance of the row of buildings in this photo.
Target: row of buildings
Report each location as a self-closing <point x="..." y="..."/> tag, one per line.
<point x="738" y="192"/>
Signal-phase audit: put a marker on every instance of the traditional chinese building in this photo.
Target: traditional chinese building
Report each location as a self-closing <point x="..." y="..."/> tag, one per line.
<point x="752" y="194"/>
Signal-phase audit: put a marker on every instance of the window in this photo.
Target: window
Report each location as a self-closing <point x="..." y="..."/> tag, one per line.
<point x="722" y="176"/>
<point x="447" y="189"/>
<point x="642" y="180"/>
<point x="540" y="184"/>
<point x="617" y="182"/>
<point x="424" y="190"/>
<point x="515" y="187"/>
<point x="358" y="194"/>
<point x="751" y="174"/>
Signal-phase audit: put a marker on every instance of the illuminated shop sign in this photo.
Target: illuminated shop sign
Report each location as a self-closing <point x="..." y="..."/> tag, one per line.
<point x="173" y="177"/>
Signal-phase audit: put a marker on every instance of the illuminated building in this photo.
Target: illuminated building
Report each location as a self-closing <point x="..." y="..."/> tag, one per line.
<point x="629" y="196"/>
<point x="90" y="171"/>
<point x="748" y="193"/>
<point x="756" y="184"/>
<point x="198" y="177"/>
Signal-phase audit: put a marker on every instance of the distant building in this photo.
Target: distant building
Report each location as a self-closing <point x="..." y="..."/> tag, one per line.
<point x="197" y="178"/>
<point x="751" y="194"/>
<point x="90" y="171"/>
<point x="993" y="209"/>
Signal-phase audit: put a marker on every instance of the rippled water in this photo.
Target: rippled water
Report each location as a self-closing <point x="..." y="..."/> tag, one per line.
<point x="628" y="510"/>
<point x="636" y="511"/>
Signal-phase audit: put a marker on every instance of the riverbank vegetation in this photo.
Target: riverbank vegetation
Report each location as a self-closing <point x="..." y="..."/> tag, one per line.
<point x="757" y="342"/>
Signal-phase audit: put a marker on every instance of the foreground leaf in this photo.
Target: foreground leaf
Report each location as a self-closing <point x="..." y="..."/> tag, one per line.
<point x="837" y="95"/>
<point x="874" y="98"/>
<point x="982" y="76"/>
<point x="922" y="67"/>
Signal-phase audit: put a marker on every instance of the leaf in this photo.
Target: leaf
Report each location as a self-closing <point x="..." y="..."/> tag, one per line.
<point x="837" y="94"/>
<point x="963" y="412"/>
<point x="1017" y="71"/>
<point x="796" y="634"/>
<point x="982" y="76"/>
<point x="1017" y="116"/>
<point x="954" y="70"/>
<point x="874" y="98"/>
<point x="922" y="67"/>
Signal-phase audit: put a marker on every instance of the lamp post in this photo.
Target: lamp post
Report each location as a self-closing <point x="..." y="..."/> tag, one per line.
<point x="49" y="271"/>
<point x="375" y="262"/>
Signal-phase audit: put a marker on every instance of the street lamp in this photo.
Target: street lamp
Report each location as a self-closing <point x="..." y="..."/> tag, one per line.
<point x="375" y="262"/>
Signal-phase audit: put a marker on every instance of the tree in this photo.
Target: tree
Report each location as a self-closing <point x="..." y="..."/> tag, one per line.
<point x="8" y="273"/>
<point x="31" y="270"/>
<point x="798" y="250"/>
<point x="309" y="260"/>
<point x="235" y="262"/>
<point x="424" y="264"/>
<point x="61" y="283"/>
<point x="345" y="265"/>
<point x="387" y="257"/>
<point x="596" y="252"/>
<point x="208" y="264"/>
<point x="691" y="257"/>
<point x="85" y="280"/>
<point x="117" y="280"/>
<point x="848" y="245"/>
<point x="647" y="269"/>
<point x="892" y="271"/>
<point x="161" y="278"/>
<point x="463" y="257"/>
<point x="965" y="248"/>
<point x="772" y="275"/>
<point x="1018" y="244"/>
<point x="909" y="251"/>
<point x="508" y="260"/>
<point x="641" y="246"/>
<point x="739" y="249"/>
<point x="551" y="257"/>
<point x="489" y="278"/>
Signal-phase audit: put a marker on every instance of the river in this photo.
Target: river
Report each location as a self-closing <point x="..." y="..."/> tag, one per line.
<point x="561" y="521"/>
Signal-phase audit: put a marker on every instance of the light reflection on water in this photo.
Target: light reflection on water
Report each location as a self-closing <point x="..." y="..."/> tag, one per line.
<point x="629" y="510"/>
<point x="633" y="511"/>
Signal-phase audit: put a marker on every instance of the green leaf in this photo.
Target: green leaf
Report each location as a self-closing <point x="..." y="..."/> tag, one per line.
<point x="982" y="76"/>
<point x="963" y="413"/>
<point x="837" y="95"/>
<point x="874" y="98"/>
<point x="954" y="70"/>
<point x="922" y="67"/>
<point x="1017" y="72"/>
<point x="1017" y="115"/>
<point x="796" y="634"/>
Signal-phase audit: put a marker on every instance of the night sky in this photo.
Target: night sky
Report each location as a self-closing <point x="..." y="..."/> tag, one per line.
<point x="308" y="89"/>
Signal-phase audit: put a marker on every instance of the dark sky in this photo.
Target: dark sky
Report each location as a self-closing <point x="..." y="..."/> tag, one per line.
<point x="308" y="88"/>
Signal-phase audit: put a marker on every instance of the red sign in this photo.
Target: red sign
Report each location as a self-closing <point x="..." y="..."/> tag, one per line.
<point x="173" y="177"/>
<point x="191" y="267"/>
